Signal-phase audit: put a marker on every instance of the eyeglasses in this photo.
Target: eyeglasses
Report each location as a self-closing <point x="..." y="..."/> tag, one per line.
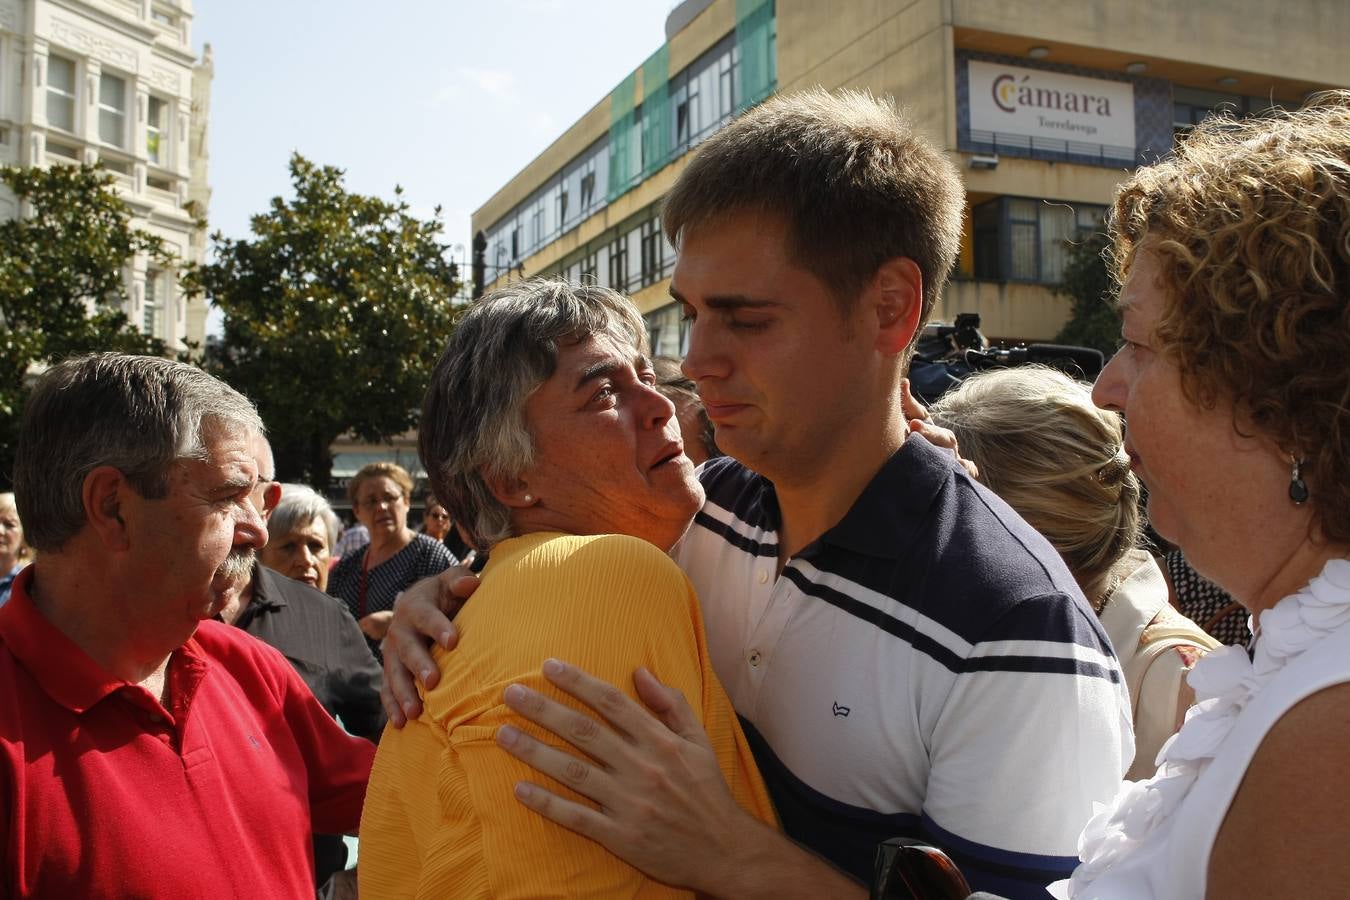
<point x="909" y="869"/>
<point x="382" y="500"/>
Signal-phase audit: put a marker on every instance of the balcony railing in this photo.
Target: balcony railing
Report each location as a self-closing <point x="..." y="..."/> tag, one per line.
<point x="975" y="140"/>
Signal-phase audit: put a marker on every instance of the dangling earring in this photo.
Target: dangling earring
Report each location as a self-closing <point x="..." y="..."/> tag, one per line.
<point x="1298" y="488"/>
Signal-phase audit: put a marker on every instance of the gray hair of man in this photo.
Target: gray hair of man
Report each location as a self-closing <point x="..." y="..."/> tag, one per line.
<point x="502" y="350"/>
<point x="300" y="505"/>
<point x="138" y="414"/>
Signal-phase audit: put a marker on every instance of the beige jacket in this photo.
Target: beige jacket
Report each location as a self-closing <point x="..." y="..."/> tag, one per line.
<point x="1157" y="647"/>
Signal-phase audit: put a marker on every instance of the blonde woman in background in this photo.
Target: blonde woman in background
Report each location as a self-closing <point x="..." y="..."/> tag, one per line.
<point x="1042" y="446"/>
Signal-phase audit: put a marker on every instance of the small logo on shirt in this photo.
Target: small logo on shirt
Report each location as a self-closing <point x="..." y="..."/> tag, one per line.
<point x="840" y="712"/>
<point x="254" y="741"/>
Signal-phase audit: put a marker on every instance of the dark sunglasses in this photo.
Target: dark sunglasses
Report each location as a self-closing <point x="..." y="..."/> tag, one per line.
<point x="909" y="869"/>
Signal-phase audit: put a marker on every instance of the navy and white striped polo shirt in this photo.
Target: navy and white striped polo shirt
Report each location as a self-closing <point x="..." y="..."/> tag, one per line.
<point x="927" y="666"/>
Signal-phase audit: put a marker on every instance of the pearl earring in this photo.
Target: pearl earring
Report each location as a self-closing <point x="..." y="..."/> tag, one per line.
<point x="528" y="498"/>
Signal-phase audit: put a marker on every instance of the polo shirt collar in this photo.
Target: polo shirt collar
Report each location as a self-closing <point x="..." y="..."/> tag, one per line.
<point x="264" y="598"/>
<point x="887" y="516"/>
<point x="70" y="676"/>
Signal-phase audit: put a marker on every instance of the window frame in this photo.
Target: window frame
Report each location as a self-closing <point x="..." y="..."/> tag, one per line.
<point x="163" y="155"/>
<point x="72" y="98"/>
<point x="152" y="305"/>
<point x="105" y="77"/>
<point x="992" y="223"/>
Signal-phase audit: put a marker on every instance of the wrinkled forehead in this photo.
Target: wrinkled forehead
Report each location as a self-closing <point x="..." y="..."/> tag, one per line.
<point x="599" y="349"/>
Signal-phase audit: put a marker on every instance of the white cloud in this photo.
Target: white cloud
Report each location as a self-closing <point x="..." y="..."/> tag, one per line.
<point x="498" y="83"/>
<point x="543" y="122"/>
<point x="472" y="84"/>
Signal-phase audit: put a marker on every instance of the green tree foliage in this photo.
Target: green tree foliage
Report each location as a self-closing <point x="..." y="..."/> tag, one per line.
<point x="63" y="279"/>
<point x="1094" y="322"/>
<point x="335" y="311"/>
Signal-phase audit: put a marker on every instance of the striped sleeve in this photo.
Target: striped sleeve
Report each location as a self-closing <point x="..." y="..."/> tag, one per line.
<point x="1044" y="684"/>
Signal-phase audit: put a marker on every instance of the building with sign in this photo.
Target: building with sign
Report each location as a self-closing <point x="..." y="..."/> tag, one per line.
<point x="1044" y="107"/>
<point x="115" y="82"/>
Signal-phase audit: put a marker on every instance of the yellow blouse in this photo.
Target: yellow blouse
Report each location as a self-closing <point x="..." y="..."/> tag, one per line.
<point x="440" y="817"/>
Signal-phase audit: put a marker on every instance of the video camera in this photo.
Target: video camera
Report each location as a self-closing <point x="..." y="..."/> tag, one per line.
<point x="946" y="355"/>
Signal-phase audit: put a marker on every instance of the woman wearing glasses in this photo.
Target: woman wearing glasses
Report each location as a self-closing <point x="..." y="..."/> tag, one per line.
<point x="370" y="577"/>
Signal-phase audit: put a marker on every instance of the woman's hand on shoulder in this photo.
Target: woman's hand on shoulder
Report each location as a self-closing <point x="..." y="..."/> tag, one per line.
<point x="422" y="616"/>
<point x="921" y="424"/>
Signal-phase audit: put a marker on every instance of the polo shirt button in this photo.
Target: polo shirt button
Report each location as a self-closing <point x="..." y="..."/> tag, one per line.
<point x="763" y="576"/>
<point x="755" y="658"/>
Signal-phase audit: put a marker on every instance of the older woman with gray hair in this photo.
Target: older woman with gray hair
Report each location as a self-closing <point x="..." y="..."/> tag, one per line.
<point x="300" y="536"/>
<point x="545" y="436"/>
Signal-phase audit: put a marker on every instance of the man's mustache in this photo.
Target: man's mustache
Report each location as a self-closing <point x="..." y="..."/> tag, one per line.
<point x="238" y="565"/>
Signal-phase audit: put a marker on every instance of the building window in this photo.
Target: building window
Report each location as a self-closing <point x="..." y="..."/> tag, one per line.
<point x="537" y="226"/>
<point x="1191" y="106"/>
<point x="588" y="189"/>
<point x="618" y="264"/>
<point x="156" y="142"/>
<point x="112" y="110"/>
<point x="57" y="148"/>
<point x="1021" y="239"/>
<point x="681" y="105"/>
<point x="153" y="307"/>
<point x="61" y="93"/>
<point x="651" y="252"/>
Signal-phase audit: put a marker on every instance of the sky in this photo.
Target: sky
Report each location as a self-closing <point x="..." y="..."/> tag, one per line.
<point x="447" y="98"/>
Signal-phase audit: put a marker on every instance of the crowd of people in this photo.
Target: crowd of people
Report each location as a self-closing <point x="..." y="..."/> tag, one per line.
<point x="741" y="619"/>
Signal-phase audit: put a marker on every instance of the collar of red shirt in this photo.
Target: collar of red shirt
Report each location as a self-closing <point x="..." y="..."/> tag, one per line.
<point x="68" y="674"/>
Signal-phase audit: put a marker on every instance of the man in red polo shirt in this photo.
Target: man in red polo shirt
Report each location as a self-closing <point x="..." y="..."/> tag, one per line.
<point x="144" y="749"/>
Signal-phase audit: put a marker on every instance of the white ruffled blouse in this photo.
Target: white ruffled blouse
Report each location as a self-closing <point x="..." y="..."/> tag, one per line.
<point x="1155" y="838"/>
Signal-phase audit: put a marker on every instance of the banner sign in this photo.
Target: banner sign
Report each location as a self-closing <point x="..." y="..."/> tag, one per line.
<point x="1040" y="104"/>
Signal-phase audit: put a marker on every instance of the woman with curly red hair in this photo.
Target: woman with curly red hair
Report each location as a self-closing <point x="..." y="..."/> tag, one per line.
<point x="1234" y="259"/>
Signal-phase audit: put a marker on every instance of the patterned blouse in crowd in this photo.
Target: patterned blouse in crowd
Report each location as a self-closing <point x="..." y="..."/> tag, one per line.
<point x="1206" y="604"/>
<point x="424" y="556"/>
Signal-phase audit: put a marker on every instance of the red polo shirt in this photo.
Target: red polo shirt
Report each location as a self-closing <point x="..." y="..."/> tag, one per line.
<point x="106" y="793"/>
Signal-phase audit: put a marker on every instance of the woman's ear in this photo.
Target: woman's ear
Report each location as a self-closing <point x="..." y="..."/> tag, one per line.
<point x="510" y="491"/>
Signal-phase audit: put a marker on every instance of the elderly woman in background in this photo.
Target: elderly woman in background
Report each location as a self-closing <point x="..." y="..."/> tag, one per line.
<point x="1041" y="445"/>
<point x="370" y="577"/>
<point x="13" y="551"/>
<point x="545" y="435"/>
<point x="1235" y="262"/>
<point x="300" y="534"/>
